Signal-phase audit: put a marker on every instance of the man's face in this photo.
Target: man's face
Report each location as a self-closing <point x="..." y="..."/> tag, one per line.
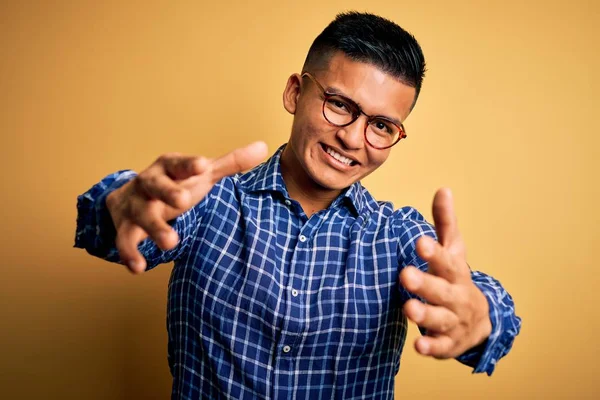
<point x="314" y="141"/>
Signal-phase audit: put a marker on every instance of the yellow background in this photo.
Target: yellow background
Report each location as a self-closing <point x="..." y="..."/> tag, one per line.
<point x="508" y="118"/>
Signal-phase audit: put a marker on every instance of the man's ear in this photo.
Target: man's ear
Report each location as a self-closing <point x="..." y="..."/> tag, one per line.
<point x="291" y="93"/>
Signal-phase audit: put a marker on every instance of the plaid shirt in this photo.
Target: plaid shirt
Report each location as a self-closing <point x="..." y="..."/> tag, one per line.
<point x="266" y="303"/>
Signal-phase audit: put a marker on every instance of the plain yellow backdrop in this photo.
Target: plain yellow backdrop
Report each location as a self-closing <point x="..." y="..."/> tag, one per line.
<point x="508" y="118"/>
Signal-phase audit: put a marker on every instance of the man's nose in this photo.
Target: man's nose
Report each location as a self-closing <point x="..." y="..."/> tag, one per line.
<point x="353" y="135"/>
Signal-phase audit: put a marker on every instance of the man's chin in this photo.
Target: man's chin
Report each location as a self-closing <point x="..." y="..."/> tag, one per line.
<point x="330" y="179"/>
<point x="331" y="184"/>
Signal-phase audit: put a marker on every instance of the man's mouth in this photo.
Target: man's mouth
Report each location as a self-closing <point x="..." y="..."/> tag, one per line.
<point x="338" y="157"/>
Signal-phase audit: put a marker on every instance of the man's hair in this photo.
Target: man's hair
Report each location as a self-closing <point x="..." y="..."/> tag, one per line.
<point x="371" y="39"/>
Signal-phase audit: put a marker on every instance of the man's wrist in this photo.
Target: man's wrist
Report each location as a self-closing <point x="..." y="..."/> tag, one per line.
<point x="484" y="326"/>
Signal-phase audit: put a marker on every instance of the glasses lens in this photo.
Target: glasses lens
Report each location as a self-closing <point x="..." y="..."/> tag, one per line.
<point x="338" y="110"/>
<point x="382" y="133"/>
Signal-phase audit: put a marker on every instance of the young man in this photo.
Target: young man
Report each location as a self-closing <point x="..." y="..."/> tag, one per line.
<point x="291" y="280"/>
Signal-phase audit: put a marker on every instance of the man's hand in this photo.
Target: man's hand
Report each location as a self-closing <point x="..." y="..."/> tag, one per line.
<point x="173" y="184"/>
<point x="456" y="315"/>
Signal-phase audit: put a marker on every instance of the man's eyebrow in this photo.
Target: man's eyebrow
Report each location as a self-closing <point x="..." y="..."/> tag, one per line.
<point x="334" y="90"/>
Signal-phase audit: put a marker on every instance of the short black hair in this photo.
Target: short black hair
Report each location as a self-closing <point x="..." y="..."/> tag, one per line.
<point x="372" y="39"/>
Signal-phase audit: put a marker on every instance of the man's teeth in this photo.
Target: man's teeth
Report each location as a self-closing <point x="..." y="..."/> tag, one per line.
<point x="339" y="157"/>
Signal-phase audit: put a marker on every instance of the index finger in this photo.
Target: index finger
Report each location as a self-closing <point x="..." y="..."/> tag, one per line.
<point x="182" y="167"/>
<point x="434" y="289"/>
<point x="239" y="160"/>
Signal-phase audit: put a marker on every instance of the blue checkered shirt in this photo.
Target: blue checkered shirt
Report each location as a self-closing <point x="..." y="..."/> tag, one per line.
<point x="266" y="303"/>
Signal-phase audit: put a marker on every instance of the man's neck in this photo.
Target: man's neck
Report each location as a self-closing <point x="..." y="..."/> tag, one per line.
<point x="311" y="196"/>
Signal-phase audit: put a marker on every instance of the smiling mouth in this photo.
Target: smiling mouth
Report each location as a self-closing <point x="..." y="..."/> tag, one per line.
<point x="338" y="157"/>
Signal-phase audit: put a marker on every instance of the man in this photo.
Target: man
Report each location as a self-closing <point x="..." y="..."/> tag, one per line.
<point x="290" y="280"/>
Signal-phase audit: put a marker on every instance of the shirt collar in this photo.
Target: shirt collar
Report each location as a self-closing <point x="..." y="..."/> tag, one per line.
<point x="267" y="177"/>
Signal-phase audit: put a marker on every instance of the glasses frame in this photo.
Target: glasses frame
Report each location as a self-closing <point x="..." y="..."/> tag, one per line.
<point x="402" y="132"/>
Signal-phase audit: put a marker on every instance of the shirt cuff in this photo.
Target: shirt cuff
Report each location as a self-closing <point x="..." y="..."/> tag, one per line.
<point x="95" y="229"/>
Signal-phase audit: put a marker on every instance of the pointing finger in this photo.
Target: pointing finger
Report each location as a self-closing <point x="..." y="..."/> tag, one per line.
<point x="180" y="167"/>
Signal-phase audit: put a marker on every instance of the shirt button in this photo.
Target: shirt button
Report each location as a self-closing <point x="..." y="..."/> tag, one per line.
<point x="286" y="349"/>
<point x="302" y="238"/>
<point x="294" y="292"/>
<point x="287" y="202"/>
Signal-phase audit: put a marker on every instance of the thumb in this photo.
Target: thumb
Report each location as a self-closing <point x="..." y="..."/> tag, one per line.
<point x="239" y="160"/>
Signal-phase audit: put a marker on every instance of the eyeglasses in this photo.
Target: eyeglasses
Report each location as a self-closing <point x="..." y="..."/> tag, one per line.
<point x="380" y="132"/>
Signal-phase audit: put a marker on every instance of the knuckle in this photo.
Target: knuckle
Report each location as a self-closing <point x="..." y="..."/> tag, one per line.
<point x="137" y="213"/>
<point x="448" y="264"/>
<point x="447" y="294"/>
<point x="454" y="250"/>
<point x="142" y="175"/>
<point x="449" y="322"/>
<point x="453" y="320"/>
<point x="448" y="270"/>
<point x="444" y="325"/>
<point x="143" y="178"/>
<point x="463" y="301"/>
<point x="152" y="181"/>
<point x="150" y="185"/>
<point x="140" y="210"/>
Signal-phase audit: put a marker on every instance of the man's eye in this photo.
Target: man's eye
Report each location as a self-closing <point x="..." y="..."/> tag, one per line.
<point x="339" y="104"/>
<point x="382" y="127"/>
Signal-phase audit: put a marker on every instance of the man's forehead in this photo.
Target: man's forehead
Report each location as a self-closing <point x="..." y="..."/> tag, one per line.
<point x="366" y="84"/>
